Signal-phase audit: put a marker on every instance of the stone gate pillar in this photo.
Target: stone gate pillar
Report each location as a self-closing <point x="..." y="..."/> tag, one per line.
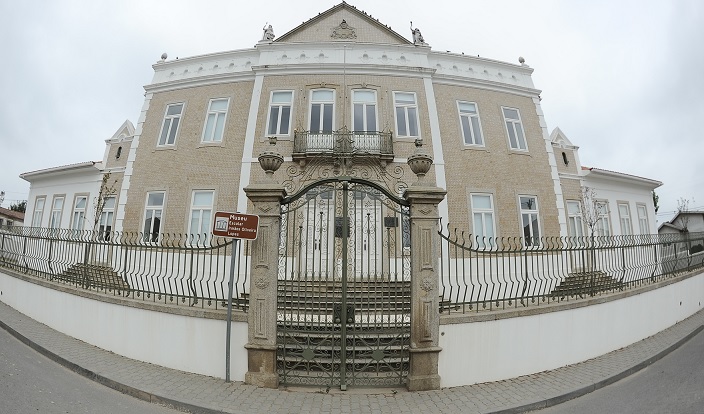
<point x="261" y="317"/>
<point x="425" y="301"/>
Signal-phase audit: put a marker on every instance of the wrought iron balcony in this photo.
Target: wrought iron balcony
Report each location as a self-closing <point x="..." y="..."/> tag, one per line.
<point x="343" y="143"/>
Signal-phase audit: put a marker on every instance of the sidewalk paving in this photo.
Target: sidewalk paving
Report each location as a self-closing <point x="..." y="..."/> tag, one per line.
<point x="202" y="394"/>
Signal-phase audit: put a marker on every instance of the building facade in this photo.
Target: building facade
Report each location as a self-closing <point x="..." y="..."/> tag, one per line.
<point x="206" y="118"/>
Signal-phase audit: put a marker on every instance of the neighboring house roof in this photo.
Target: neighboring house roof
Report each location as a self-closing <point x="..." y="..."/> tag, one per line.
<point x="16" y="215"/>
<point x="670" y="226"/>
<point x="622" y="176"/>
<point x="335" y="9"/>
<point x="28" y="176"/>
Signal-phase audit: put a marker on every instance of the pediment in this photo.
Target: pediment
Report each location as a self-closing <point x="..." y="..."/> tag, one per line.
<point x="125" y="130"/>
<point x="343" y="23"/>
<point x="559" y="137"/>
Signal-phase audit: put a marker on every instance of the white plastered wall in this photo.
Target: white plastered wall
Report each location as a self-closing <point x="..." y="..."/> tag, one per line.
<point x="508" y="348"/>
<point x="184" y="343"/>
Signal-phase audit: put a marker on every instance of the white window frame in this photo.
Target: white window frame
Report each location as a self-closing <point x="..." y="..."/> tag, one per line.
<point x="78" y="215"/>
<point x="170" y="120"/>
<point x="473" y="133"/>
<point x="532" y="239"/>
<point x="406" y="109"/>
<point x="603" y="226"/>
<point x="56" y="212"/>
<point x="279" y="115"/>
<point x="150" y="214"/>
<point x="643" y="223"/>
<point x="38" y="213"/>
<point x="487" y="216"/>
<point x="625" y="219"/>
<point x="575" y="224"/>
<point x="205" y="218"/>
<point x="320" y="126"/>
<point x="210" y="136"/>
<point x="512" y="125"/>
<point x="107" y="218"/>
<point x="365" y="112"/>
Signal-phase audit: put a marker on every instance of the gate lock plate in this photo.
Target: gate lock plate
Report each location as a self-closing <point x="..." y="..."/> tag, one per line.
<point x="337" y="313"/>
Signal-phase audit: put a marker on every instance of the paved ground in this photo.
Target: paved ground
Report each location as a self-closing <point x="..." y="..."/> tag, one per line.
<point x="201" y="394"/>
<point x="674" y="384"/>
<point x="32" y="383"/>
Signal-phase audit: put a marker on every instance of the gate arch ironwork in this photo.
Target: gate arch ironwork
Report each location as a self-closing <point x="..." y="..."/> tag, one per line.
<point x="344" y="286"/>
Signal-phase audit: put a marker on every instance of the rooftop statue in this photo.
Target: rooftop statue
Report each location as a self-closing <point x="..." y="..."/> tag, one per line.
<point x="268" y="33"/>
<point x="417" y="36"/>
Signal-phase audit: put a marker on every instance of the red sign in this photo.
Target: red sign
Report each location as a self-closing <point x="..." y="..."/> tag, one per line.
<point x="236" y="225"/>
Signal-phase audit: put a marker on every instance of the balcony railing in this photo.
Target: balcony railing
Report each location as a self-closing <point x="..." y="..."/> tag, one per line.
<point x="343" y="143"/>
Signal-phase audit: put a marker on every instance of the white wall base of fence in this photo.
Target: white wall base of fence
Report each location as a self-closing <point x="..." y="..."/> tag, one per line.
<point x="185" y="343"/>
<point x="507" y="348"/>
<point x="471" y="353"/>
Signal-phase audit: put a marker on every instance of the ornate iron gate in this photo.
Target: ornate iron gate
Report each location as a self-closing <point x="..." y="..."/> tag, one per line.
<point x="344" y="286"/>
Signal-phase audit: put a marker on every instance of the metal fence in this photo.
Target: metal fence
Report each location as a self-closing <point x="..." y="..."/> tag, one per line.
<point x="475" y="274"/>
<point x="173" y="269"/>
<point x="499" y="273"/>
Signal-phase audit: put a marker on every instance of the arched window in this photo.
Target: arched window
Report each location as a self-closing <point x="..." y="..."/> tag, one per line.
<point x="564" y="158"/>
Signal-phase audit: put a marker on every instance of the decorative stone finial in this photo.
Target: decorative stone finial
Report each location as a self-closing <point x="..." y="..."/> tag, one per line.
<point x="521" y="60"/>
<point x="420" y="162"/>
<point x="163" y="57"/>
<point x="270" y="161"/>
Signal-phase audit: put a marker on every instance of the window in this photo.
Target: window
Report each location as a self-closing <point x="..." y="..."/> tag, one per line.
<point x="215" y="120"/>
<point x="516" y="139"/>
<point x="574" y="219"/>
<point x="79" y="213"/>
<point x="624" y="214"/>
<point x="364" y="110"/>
<point x="10" y="223"/>
<point x="406" y="114"/>
<point x="643" y="219"/>
<point x="170" y="126"/>
<point x="38" y="212"/>
<point x="603" y="225"/>
<point x="56" y="209"/>
<point x="321" y="110"/>
<point x="106" y="218"/>
<point x="201" y="216"/>
<point x="483" y="218"/>
<point x="529" y="220"/>
<point x="280" y="113"/>
<point x="153" y="216"/>
<point x="469" y="120"/>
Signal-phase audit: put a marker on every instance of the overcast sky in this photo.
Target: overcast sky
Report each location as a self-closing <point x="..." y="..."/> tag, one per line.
<point x="622" y="79"/>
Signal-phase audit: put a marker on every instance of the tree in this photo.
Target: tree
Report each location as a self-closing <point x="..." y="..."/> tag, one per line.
<point x="2" y="197"/>
<point x="20" y="206"/>
<point x="656" y="198"/>
<point x="106" y="191"/>
<point x="591" y="210"/>
<point x="682" y="214"/>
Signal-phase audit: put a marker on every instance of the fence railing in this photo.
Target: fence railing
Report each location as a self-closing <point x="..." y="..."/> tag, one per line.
<point x="499" y="273"/>
<point x="175" y="269"/>
<point x="475" y="274"/>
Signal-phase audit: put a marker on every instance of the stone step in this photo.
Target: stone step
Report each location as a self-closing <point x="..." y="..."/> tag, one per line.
<point x="585" y="283"/>
<point x="94" y="276"/>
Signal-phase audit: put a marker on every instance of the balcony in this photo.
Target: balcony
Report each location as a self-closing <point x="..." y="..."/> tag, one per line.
<point x="343" y="143"/>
